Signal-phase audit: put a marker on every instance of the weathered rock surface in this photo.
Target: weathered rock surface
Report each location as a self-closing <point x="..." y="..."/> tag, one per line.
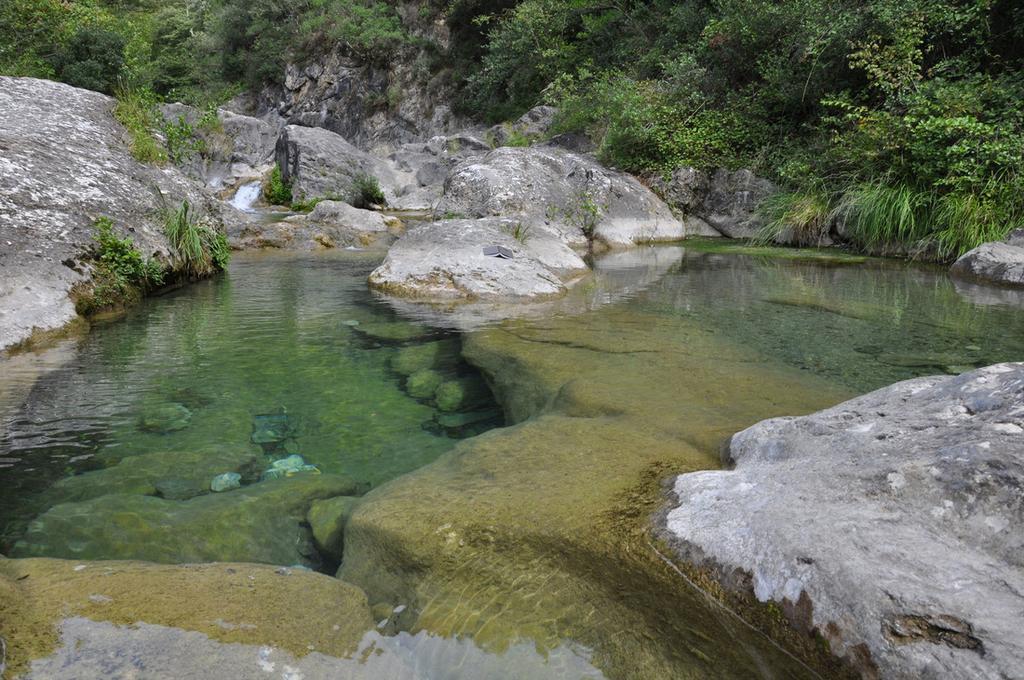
<point x="891" y="523"/>
<point x="999" y="262"/>
<point x="726" y="200"/>
<point x="327" y="521"/>
<point x="532" y="125"/>
<point x="568" y="192"/>
<point x="238" y="148"/>
<point x="242" y="604"/>
<point x="445" y="260"/>
<point x="322" y="164"/>
<point x="64" y="162"/>
<point x="258" y="523"/>
<point x="331" y="224"/>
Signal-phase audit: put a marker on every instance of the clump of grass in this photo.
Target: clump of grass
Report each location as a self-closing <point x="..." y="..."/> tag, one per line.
<point x="518" y="231"/>
<point x="121" y="275"/>
<point x="275" y="190"/>
<point x="966" y="220"/>
<point x="366" y="191"/>
<point x="201" y="248"/>
<point x="805" y="215"/>
<point x="516" y="138"/>
<point x="181" y="140"/>
<point x="136" y="110"/>
<point x="583" y="213"/>
<point x="877" y="213"/>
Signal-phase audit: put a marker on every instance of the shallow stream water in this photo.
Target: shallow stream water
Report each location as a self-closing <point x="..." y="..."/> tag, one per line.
<point x="513" y="554"/>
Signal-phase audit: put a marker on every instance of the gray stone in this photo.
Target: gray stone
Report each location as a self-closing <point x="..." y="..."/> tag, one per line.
<point x="565" y="191"/>
<point x="999" y="262"/>
<point x="890" y="523"/>
<point x="164" y="418"/>
<point x="327" y="521"/>
<point x="331" y="224"/>
<point x="322" y="164"/>
<point x="533" y="125"/>
<point x="64" y="163"/>
<point x="444" y="260"/>
<point x="226" y="481"/>
<point x="727" y="200"/>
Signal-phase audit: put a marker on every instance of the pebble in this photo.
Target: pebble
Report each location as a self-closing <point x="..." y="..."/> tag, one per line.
<point x="226" y="482"/>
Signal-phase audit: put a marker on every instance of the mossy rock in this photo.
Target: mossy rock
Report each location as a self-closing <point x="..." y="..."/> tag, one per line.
<point x="463" y="394"/>
<point x="327" y="520"/>
<point x="439" y="355"/>
<point x="258" y="523"/>
<point x="145" y="475"/>
<point x="258" y="605"/>
<point x="423" y="384"/>
<point x="394" y="332"/>
<point x="165" y="418"/>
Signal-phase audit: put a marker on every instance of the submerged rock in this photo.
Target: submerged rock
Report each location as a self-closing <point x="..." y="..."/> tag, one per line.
<point x="464" y="394"/>
<point x="174" y="475"/>
<point x="232" y="603"/>
<point x="165" y="418"/>
<point x="445" y="260"/>
<point x="225" y="482"/>
<point x="327" y="520"/>
<point x="441" y="354"/>
<point x="257" y="523"/>
<point x="999" y="262"/>
<point x="423" y="384"/>
<point x="889" y="523"/>
<point x="288" y="467"/>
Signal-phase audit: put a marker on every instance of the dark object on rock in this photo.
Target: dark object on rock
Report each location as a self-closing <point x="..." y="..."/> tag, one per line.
<point x="498" y="251"/>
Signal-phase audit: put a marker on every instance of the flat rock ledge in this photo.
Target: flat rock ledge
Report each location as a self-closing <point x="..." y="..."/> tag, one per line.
<point x="890" y="523"/>
<point x="999" y="262"/>
<point x="445" y="261"/>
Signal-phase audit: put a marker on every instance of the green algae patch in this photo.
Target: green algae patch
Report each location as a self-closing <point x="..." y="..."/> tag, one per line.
<point x="540" y="531"/>
<point x="440" y="355"/>
<point x="820" y="256"/>
<point x="264" y="522"/>
<point x="234" y="603"/>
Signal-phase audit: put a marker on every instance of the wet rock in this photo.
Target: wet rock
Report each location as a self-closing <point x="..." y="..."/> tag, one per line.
<point x="165" y="418"/>
<point x="567" y="192"/>
<point x="999" y="262"/>
<point x="886" y="523"/>
<point x="423" y="384"/>
<point x="244" y="604"/>
<point x="327" y="520"/>
<point x="442" y="354"/>
<point x="725" y="202"/>
<point x="174" y="475"/>
<point x="225" y="482"/>
<point x="394" y="332"/>
<point x="257" y="523"/>
<point x="271" y="430"/>
<point x="288" y="467"/>
<point x="464" y="394"/>
<point x="66" y="162"/>
<point x="445" y="260"/>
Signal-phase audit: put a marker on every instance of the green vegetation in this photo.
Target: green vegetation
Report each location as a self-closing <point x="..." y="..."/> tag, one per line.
<point x="201" y="248"/>
<point x="276" y="191"/>
<point x="518" y="231"/>
<point x="121" y="275"/>
<point x="366" y="191"/>
<point x="136" y="111"/>
<point x="861" y="109"/>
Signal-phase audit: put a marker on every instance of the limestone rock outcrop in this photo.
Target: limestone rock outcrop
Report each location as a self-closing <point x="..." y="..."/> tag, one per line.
<point x="999" y="262"/>
<point x="890" y="523"/>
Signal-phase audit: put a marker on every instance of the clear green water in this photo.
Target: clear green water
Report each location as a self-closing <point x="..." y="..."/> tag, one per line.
<point x="277" y="336"/>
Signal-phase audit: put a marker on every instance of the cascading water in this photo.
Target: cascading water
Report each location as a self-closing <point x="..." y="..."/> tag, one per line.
<point x="245" y="198"/>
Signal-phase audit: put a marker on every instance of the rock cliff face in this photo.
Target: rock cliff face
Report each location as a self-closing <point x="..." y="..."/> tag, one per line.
<point x="890" y="523"/>
<point x="64" y="162"/>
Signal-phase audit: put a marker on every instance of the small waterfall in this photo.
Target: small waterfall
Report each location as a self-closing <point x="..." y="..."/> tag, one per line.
<point x="246" y="196"/>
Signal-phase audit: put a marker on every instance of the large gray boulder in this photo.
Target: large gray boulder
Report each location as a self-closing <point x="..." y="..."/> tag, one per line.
<point x="726" y="201"/>
<point x="999" y="262"/>
<point x="331" y="224"/>
<point x="890" y="523"/>
<point x="64" y="162"/>
<point x="570" y="193"/>
<point x="533" y="126"/>
<point x="444" y="260"/>
<point x="322" y="164"/>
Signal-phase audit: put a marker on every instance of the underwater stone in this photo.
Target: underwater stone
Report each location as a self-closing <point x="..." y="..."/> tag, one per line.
<point x="226" y="482"/>
<point x="463" y="394"/>
<point x="286" y="467"/>
<point x="394" y="332"/>
<point x="327" y="520"/>
<point x="423" y="384"/>
<point x="182" y="474"/>
<point x="256" y="523"/>
<point x="165" y="418"/>
<point x="443" y="354"/>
